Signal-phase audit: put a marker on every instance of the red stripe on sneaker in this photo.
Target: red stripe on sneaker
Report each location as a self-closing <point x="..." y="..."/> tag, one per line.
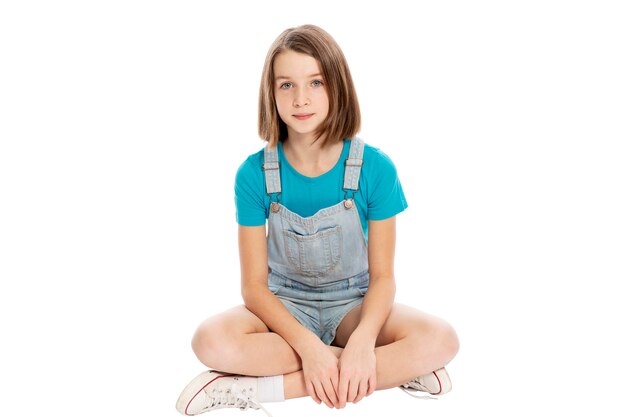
<point x="201" y="389"/>
<point x="440" y="386"/>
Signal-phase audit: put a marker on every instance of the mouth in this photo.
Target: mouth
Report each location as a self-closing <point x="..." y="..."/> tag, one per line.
<point x="303" y="116"/>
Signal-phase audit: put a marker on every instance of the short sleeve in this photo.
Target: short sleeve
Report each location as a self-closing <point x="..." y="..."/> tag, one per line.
<point x="250" y="193"/>
<point x="385" y="197"/>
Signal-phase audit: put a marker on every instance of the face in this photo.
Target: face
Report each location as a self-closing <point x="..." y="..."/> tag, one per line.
<point x="300" y="92"/>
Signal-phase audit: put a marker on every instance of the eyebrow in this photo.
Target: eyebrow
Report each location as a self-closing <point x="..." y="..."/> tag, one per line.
<point x="282" y="77"/>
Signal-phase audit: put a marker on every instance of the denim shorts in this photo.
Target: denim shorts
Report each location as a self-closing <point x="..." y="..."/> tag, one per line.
<point x="322" y="308"/>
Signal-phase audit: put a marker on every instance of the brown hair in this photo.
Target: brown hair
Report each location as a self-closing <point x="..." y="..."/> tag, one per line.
<point x="344" y="116"/>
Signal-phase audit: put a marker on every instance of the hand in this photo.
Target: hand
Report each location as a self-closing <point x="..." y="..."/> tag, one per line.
<point x="321" y="374"/>
<point x="357" y="373"/>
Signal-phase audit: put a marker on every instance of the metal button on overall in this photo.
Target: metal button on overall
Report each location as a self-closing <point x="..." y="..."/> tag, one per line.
<point x="318" y="265"/>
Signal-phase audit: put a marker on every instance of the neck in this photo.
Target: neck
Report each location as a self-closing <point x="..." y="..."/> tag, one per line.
<point x="311" y="158"/>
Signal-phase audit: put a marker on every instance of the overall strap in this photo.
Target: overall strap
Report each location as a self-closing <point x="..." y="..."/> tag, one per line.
<point x="271" y="168"/>
<point x="353" y="165"/>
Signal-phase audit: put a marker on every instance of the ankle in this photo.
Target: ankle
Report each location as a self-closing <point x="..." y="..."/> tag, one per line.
<point x="270" y="389"/>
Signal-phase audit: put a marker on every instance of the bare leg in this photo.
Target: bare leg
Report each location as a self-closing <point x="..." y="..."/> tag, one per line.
<point x="238" y="342"/>
<point x="411" y="343"/>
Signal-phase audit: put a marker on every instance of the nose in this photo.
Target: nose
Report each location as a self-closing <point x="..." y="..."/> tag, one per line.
<point x="300" y="98"/>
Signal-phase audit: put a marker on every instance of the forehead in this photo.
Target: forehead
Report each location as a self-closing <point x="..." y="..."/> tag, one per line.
<point x="291" y="64"/>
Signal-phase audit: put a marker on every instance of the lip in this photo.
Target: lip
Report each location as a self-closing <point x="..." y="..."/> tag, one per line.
<point x="303" y="116"/>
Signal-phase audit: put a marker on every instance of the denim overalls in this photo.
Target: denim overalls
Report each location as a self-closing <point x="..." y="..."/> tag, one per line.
<point x="318" y="265"/>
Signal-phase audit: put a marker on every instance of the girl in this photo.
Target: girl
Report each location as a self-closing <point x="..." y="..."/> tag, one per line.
<point x="318" y="284"/>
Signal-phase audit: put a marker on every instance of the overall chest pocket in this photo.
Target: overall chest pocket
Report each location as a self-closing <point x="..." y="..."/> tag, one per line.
<point x="315" y="254"/>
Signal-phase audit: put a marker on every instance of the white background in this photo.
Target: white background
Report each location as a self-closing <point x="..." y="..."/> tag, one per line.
<point x="122" y="124"/>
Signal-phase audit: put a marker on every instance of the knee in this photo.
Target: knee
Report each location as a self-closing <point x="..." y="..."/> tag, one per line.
<point x="212" y="345"/>
<point x="448" y="341"/>
<point x="437" y="342"/>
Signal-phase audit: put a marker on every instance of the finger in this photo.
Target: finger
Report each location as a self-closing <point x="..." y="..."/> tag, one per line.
<point x="372" y="385"/>
<point x="342" y="391"/>
<point x="353" y="390"/>
<point x="321" y="394"/>
<point x="362" y="391"/>
<point x="335" y="381"/>
<point x="330" y="392"/>
<point x="311" y="391"/>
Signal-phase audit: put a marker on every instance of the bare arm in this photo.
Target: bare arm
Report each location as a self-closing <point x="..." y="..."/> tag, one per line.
<point x="256" y="295"/>
<point x="382" y="288"/>
<point x="319" y="364"/>
<point x="358" y="360"/>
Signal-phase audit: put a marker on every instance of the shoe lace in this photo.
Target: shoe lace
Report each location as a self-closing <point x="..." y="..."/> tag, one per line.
<point x="236" y="396"/>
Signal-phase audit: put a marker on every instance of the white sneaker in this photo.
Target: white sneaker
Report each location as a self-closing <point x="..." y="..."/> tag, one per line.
<point x="435" y="383"/>
<point x="212" y="390"/>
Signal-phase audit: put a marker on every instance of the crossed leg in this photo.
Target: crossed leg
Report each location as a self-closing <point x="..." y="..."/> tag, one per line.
<point x="411" y="343"/>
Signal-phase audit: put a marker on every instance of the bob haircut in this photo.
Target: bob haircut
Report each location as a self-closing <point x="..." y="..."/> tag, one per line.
<point x="344" y="115"/>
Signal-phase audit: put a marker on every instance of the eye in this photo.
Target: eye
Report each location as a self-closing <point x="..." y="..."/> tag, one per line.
<point x="317" y="83"/>
<point x="286" y="86"/>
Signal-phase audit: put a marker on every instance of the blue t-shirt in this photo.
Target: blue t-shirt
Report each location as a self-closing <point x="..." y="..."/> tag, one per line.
<point x="379" y="197"/>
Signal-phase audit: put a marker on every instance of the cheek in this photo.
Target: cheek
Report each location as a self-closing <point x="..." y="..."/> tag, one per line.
<point x="323" y="103"/>
<point x="281" y="103"/>
<point x="321" y="97"/>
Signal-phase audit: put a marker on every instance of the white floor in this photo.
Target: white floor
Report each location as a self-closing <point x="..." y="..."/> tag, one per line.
<point x="122" y="125"/>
